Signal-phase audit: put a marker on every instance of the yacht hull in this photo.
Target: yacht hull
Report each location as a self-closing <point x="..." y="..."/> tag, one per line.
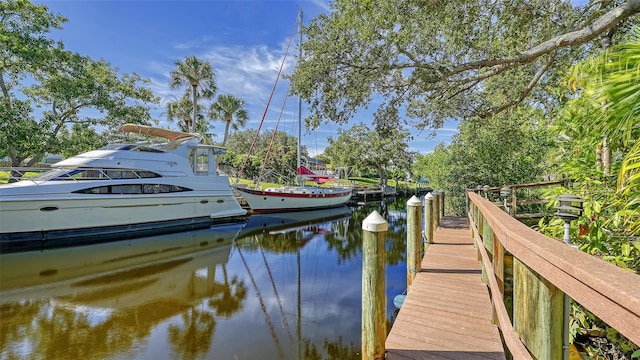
<point x="36" y="224"/>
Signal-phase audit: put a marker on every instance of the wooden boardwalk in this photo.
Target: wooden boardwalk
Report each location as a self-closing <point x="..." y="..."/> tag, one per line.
<point x="447" y="312"/>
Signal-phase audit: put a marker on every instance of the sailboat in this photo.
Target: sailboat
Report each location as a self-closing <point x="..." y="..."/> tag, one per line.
<point x="300" y="196"/>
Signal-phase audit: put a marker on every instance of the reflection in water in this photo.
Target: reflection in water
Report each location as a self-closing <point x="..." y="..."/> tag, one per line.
<point x="281" y="286"/>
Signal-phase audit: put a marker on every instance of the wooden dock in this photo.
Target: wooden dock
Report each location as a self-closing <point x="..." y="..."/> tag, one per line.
<point x="447" y="313"/>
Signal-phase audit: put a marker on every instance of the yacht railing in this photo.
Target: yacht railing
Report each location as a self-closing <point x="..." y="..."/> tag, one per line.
<point x="16" y="174"/>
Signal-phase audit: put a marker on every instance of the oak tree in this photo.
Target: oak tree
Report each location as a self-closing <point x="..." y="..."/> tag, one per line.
<point x="45" y="88"/>
<point x="433" y="60"/>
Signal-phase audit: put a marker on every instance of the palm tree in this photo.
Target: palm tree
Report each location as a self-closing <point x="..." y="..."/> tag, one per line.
<point x="180" y="110"/>
<point x="619" y="89"/>
<point x="231" y="110"/>
<point x="198" y="74"/>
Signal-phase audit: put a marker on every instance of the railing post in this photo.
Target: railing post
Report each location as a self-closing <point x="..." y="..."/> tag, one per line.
<point x="414" y="238"/>
<point x="487" y="242"/>
<point x="537" y="312"/>
<point x="498" y="263"/>
<point x="374" y="300"/>
<point x="436" y="207"/>
<point x="479" y="220"/>
<point x="434" y="210"/>
<point x="441" y="203"/>
<point x="428" y="218"/>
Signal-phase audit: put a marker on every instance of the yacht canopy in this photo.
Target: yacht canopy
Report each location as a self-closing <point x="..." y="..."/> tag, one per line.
<point x="170" y="135"/>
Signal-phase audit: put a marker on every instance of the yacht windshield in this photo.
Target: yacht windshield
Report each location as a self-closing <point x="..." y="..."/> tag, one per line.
<point x="51" y="174"/>
<point x="156" y="148"/>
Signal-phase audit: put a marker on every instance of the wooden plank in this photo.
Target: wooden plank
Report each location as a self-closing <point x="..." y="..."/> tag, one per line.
<point x="447" y="313"/>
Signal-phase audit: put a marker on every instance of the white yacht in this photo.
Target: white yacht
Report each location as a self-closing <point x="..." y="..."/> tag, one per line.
<point x="119" y="191"/>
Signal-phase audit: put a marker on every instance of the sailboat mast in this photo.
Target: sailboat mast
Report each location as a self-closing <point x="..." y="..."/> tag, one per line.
<point x="299" y="100"/>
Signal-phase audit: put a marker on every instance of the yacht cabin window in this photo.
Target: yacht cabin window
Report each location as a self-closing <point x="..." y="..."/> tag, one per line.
<point x="133" y="189"/>
<point x="201" y="161"/>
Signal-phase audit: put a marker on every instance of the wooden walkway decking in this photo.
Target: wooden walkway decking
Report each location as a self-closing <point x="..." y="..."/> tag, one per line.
<point x="447" y="312"/>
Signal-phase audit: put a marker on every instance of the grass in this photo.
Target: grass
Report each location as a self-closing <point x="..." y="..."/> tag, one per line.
<point x="365" y="181"/>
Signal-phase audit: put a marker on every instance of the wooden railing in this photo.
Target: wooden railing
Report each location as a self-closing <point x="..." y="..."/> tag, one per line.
<point x="544" y="271"/>
<point x="514" y="201"/>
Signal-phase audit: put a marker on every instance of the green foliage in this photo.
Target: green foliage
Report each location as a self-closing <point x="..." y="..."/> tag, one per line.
<point x="81" y="138"/>
<point x="509" y="148"/>
<point x="603" y="110"/>
<point x="439" y="60"/>
<point x="585" y="122"/>
<point x="199" y="79"/>
<point x="45" y="88"/>
<point x="364" y="150"/>
<point x="434" y="166"/>
<point x="231" y="110"/>
<point x="181" y="111"/>
<point x="282" y="157"/>
<point x="629" y="188"/>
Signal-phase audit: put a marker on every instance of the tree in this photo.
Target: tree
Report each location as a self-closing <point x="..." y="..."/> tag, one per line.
<point x="231" y="111"/>
<point x="362" y="148"/>
<point x="433" y="166"/>
<point x="510" y="148"/>
<point x="240" y="141"/>
<point x="282" y="158"/>
<point x="605" y="104"/>
<point x="435" y="59"/>
<point x="197" y="74"/>
<point x="181" y="110"/>
<point x="81" y="138"/>
<point x="45" y="88"/>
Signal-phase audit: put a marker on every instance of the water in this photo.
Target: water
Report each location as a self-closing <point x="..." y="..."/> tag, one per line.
<point x="284" y="286"/>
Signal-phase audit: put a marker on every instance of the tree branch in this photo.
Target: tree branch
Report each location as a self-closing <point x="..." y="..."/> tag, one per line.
<point x="587" y="33"/>
<point x="524" y="93"/>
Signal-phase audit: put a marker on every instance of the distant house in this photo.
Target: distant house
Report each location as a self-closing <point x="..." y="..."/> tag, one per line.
<point x="316" y="165"/>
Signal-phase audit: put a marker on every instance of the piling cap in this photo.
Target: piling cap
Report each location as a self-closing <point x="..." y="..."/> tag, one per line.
<point x="428" y="197"/>
<point x="414" y="201"/>
<point x="375" y="223"/>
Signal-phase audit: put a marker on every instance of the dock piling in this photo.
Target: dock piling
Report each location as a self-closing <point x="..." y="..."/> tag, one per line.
<point x="414" y="238"/>
<point x="374" y="300"/>
<point x="428" y="219"/>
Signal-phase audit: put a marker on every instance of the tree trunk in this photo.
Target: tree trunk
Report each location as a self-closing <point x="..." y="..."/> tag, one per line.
<point x="195" y="108"/>
<point x="606" y="157"/>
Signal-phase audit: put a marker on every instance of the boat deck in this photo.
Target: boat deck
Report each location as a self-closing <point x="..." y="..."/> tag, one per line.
<point x="447" y="313"/>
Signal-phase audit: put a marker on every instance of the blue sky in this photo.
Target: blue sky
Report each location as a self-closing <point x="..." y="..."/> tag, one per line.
<point x="245" y="42"/>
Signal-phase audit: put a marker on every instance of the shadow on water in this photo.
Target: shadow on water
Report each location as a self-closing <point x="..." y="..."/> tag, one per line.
<point x="280" y="286"/>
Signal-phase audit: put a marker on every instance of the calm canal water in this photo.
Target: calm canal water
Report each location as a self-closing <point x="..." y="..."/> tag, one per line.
<point x="282" y="286"/>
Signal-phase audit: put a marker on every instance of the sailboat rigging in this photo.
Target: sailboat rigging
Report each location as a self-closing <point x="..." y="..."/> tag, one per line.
<point x="300" y="196"/>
